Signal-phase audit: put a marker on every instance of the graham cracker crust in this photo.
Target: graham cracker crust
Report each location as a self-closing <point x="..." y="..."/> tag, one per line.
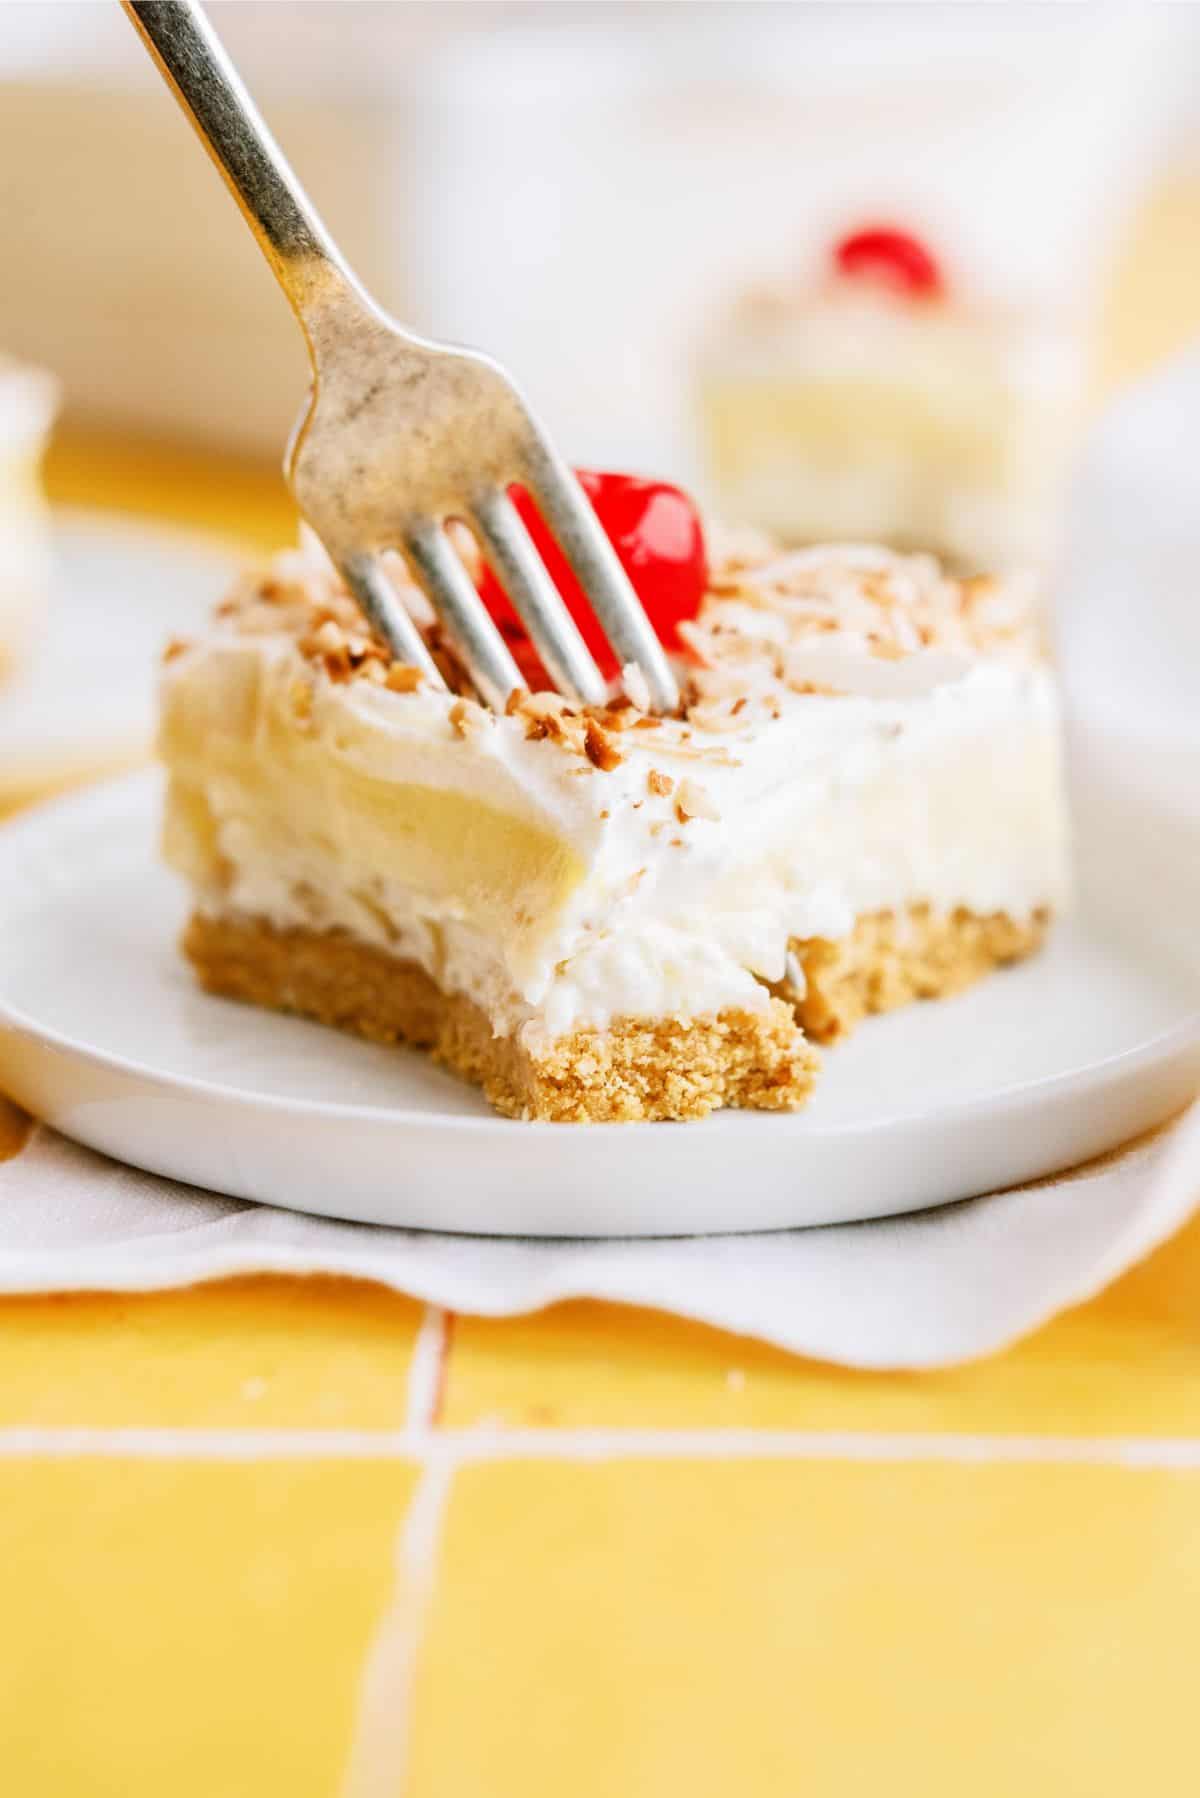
<point x="636" y="1069"/>
<point x="892" y="957"/>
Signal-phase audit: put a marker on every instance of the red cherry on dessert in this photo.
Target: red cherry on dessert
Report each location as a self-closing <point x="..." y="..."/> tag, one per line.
<point x="656" y="532"/>
<point x="890" y="258"/>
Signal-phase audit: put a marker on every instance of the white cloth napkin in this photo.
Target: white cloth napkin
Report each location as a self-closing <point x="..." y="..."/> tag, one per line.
<point x="920" y="1291"/>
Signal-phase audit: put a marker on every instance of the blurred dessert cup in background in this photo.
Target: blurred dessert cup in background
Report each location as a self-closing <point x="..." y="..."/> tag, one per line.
<point x="28" y="401"/>
<point x="881" y="399"/>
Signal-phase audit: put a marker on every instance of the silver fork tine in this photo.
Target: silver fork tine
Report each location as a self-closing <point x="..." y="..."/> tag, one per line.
<point x="512" y="553"/>
<point x="482" y="648"/>
<point x="565" y="508"/>
<point x="374" y="592"/>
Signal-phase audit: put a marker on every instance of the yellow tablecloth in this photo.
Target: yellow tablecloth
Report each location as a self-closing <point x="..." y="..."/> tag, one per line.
<point x="297" y="1539"/>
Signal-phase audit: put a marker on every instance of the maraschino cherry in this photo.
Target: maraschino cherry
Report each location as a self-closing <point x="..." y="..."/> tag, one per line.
<point x="888" y="257"/>
<point x="656" y="532"/>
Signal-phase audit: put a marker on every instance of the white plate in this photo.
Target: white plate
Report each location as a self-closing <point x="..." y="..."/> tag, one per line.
<point x="84" y="702"/>
<point x="103" y="1034"/>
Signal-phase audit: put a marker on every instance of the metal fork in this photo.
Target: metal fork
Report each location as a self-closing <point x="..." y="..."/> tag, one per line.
<point x="400" y="434"/>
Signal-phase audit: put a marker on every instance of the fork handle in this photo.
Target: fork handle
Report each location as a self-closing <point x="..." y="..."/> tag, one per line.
<point x="190" y="56"/>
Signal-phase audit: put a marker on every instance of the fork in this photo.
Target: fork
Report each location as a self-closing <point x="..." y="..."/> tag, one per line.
<point x="401" y="434"/>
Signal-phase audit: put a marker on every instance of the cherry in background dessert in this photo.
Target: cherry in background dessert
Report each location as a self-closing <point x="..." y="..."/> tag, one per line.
<point x="889" y="257"/>
<point x="656" y="532"/>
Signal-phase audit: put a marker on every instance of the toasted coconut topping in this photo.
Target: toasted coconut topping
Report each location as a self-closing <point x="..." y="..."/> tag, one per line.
<point x="468" y="718"/>
<point x="807" y="621"/>
<point x="636" y="686"/>
<point x="773" y="627"/>
<point x="695" y="801"/>
<point x="599" y="748"/>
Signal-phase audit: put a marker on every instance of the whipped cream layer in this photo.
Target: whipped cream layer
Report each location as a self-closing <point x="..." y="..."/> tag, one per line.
<point x="658" y="871"/>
